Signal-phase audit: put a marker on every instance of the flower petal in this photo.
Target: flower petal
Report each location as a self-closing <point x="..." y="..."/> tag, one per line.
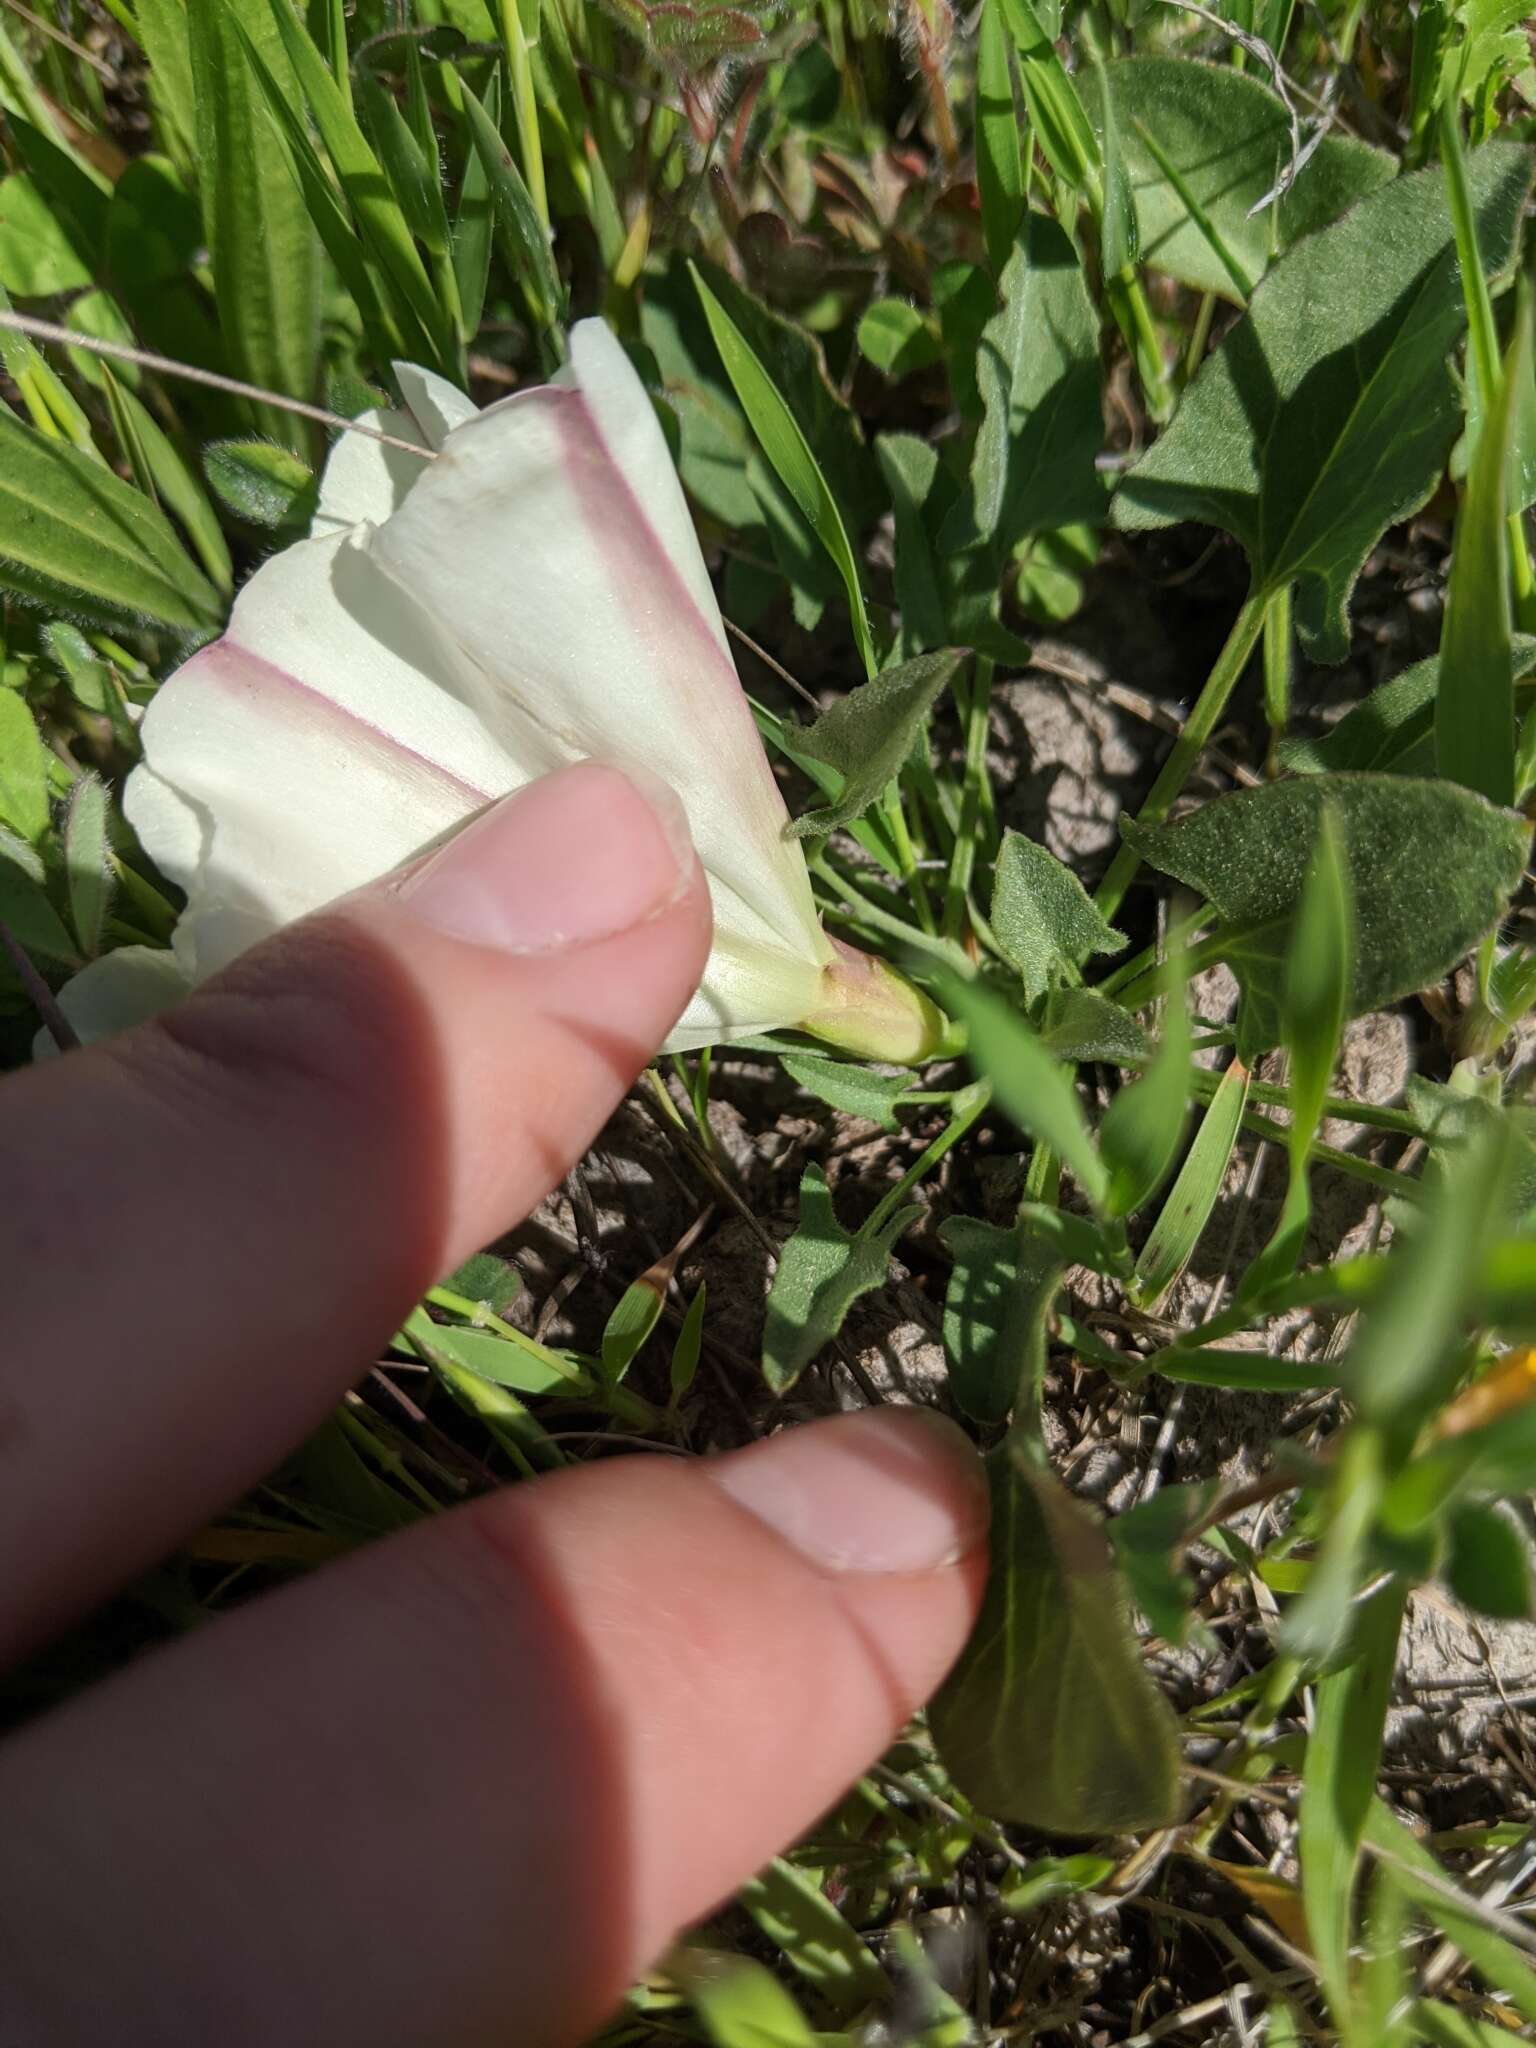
<point x="309" y="751"/>
<point x="746" y="990"/>
<point x="552" y="539"/>
<point x="368" y="479"/>
<point x="436" y="405"/>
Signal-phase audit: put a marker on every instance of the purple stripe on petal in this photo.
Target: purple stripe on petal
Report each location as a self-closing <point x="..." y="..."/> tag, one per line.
<point x="228" y="665"/>
<point x="643" y="572"/>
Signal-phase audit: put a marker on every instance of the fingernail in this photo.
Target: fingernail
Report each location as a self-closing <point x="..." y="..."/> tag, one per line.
<point x="887" y="1490"/>
<point x="579" y="855"/>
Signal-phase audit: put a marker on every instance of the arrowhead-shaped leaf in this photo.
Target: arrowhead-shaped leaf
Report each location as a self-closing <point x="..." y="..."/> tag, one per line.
<point x="822" y="1272"/>
<point x="1327" y="413"/>
<point x="1042" y="916"/>
<point x="868" y="734"/>
<point x="1042" y="419"/>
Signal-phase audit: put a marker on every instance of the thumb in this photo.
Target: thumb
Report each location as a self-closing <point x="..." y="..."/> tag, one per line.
<point x="334" y="1122"/>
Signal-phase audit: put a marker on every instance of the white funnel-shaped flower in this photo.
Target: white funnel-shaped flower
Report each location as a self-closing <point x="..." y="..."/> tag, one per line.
<point x="527" y="592"/>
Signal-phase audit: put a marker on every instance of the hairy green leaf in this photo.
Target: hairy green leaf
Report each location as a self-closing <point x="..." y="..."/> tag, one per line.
<point x="1000" y="1291"/>
<point x="898" y="337"/>
<point x="1149" y="1543"/>
<point x="1393" y="729"/>
<point x="1431" y="867"/>
<point x="260" y="482"/>
<point x="31" y="919"/>
<point x="87" y="863"/>
<point x="1042" y="917"/>
<point x="1042" y="425"/>
<point x="1050" y="1718"/>
<point x="1328" y="411"/>
<point x="1080" y="1024"/>
<point x="867" y="735"/>
<point x="23" y="769"/>
<point x="856" y="1090"/>
<point x="822" y="1271"/>
<point x="486" y="1279"/>
<point x="910" y="468"/>
<point x="1488" y="1566"/>
<point x="1228" y="137"/>
<point x="75" y="535"/>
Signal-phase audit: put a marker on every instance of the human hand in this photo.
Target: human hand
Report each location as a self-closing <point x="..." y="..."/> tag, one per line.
<point x="462" y="1786"/>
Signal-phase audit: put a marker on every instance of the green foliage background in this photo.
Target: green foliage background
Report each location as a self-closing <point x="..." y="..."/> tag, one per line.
<point x="943" y="315"/>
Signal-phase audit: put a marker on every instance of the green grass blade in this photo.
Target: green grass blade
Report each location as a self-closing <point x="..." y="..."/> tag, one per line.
<point x="1056" y="113"/>
<point x="1319" y="974"/>
<point x="999" y="157"/>
<point x="163" y="31"/>
<point x="474" y="220"/>
<point x="414" y="178"/>
<point x="1034" y="1089"/>
<point x="367" y="191"/>
<point x="1187" y="1210"/>
<point x="1338" y="1784"/>
<point x="797" y="1916"/>
<point x="525" y="241"/>
<point x="1141" y="1131"/>
<point x="262" y="244"/>
<point x="787" y="449"/>
<point x="1475" y="700"/>
<point x="73" y="533"/>
<point x="738" y="2002"/>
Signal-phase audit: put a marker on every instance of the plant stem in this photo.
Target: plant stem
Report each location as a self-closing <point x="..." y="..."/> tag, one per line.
<point x="857" y="909"/>
<point x="526" y="104"/>
<point x="906" y="858"/>
<point x="1482" y="333"/>
<point x="1372" y="1115"/>
<point x="1277" y="669"/>
<point x="1199" y="334"/>
<point x="1133" y="316"/>
<point x="963" y="864"/>
<point x="969" y="1104"/>
<point x="1198" y="727"/>
<point x="1383" y="1177"/>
